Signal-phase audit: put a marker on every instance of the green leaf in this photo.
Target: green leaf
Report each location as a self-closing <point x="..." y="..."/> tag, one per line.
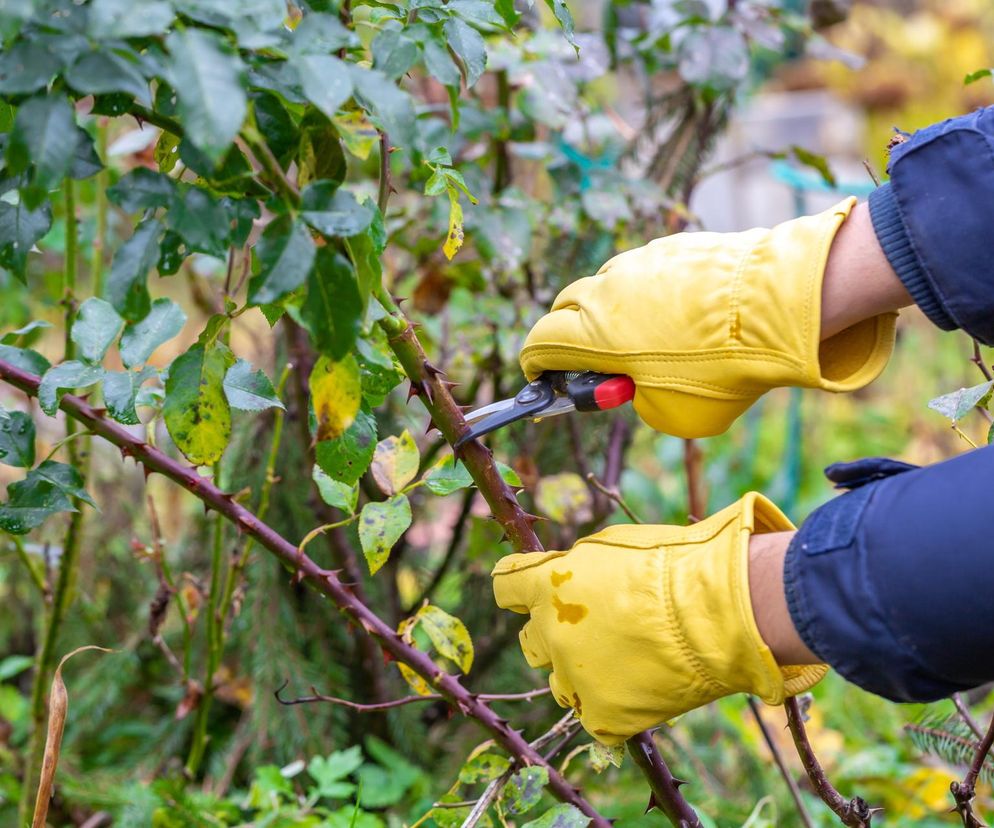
<point x="17" y="439"/>
<point x="380" y="527"/>
<point x="448" y="475"/>
<point x="249" y="390"/>
<point x="523" y="790"/>
<point x="816" y="162"/>
<point x="285" y="253"/>
<point x="44" y="136"/>
<point x="207" y="77"/>
<point x="973" y="77"/>
<point x="202" y="221"/>
<point x="332" y="309"/>
<point x="128" y="18"/>
<point x="470" y="46"/>
<point x="448" y="634"/>
<point x="439" y="62"/>
<point x="14" y="665"/>
<point x="319" y="155"/>
<point x="483" y="767"/>
<point x="328" y="772"/>
<point x="25" y="359"/>
<point x="394" y="52"/>
<point x="96" y="73"/>
<point x="325" y="81"/>
<point x="565" y="21"/>
<point x="387" y="103"/>
<point x="26" y="67"/>
<point x="508" y="475"/>
<point x="395" y="462"/>
<point x="320" y="34"/>
<point x="347" y="457"/>
<point x="95" y="329"/>
<point x="11" y="337"/>
<point x="335" y="396"/>
<point x="20" y="228"/>
<point x="275" y="124"/>
<point x="142" y="189"/>
<point x="332" y="211"/>
<point x="196" y="411"/>
<point x="85" y="161"/>
<point x="335" y="493"/>
<point x="120" y="391"/>
<point x="46" y="490"/>
<point x="172" y="253"/>
<point x="126" y="288"/>
<point x="562" y="815"/>
<point x="164" y="320"/>
<point x="959" y="403"/>
<point x="365" y="249"/>
<point x="65" y="377"/>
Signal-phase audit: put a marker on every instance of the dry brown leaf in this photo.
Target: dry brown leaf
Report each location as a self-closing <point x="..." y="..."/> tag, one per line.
<point x="58" y="711"/>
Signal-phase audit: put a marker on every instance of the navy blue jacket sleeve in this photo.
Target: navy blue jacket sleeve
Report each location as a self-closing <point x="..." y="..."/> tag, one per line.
<point x="892" y="583"/>
<point x="934" y="220"/>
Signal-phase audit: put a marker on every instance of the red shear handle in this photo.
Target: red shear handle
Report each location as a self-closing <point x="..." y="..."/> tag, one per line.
<point x="599" y="392"/>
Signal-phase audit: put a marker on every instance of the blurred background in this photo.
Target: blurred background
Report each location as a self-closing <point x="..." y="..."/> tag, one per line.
<point x="837" y="96"/>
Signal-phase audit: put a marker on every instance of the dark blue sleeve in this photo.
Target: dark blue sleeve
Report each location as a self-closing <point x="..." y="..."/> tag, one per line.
<point x="892" y="583"/>
<point x="935" y="217"/>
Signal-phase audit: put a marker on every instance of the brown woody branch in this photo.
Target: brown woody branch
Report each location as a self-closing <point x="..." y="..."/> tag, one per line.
<point x="854" y="813"/>
<point x="429" y="384"/>
<point x="963" y="792"/>
<point x="325" y="581"/>
<point x="528" y="695"/>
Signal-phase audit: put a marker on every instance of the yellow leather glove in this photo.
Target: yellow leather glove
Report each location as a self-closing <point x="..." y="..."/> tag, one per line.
<point x="705" y="323"/>
<point x="643" y="623"/>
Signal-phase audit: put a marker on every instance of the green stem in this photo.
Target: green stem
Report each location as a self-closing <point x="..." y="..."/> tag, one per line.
<point x="235" y="572"/>
<point x="69" y="562"/>
<point x="264" y="155"/>
<point x="97" y="275"/>
<point x="36" y="577"/>
<point x="143" y="113"/>
<point x="214" y="646"/>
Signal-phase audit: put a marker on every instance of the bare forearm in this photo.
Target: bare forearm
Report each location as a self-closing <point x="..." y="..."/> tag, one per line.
<point x="859" y="283"/>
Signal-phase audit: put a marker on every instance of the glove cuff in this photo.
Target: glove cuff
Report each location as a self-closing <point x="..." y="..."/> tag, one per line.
<point x="741" y="662"/>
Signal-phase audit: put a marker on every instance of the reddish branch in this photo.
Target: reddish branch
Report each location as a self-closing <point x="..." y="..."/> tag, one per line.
<point x="788" y="777"/>
<point x="854" y="813"/>
<point x="528" y="695"/>
<point x="428" y="382"/>
<point x="325" y="581"/>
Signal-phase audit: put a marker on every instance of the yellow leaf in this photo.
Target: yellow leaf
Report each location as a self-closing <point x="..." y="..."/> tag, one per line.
<point x="414" y="681"/>
<point x="448" y="634"/>
<point x="357" y="132"/>
<point x="565" y="498"/>
<point x="455" y="238"/>
<point x="395" y="462"/>
<point x="335" y="394"/>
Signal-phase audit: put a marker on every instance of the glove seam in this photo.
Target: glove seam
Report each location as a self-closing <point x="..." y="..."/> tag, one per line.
<point x="701" y="355"/>
<point x="734" y="320"/>
<point x="677" y="626"/>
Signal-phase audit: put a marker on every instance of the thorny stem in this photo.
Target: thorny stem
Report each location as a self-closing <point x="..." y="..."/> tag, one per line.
<point x="264" y="156"/>
<point x="428" y="383"/>
<point x="100" y="233"/>
<point x="69" y="562"/>
<point x="966" y="715"/>
<point x="855" y="813"/>
<point x="665" y="787"/>
<point x="963" y="792"/>
<point x="325" y="581"/>
<point x="788" y="777"/>
<point x="373" y="708"/>
<point x="383" y="192"/>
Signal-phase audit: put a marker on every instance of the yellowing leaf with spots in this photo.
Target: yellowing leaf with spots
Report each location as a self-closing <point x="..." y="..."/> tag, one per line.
<point x="448" y="634"/>
<point x="414" y="681"/>
<point x="453" y="241"/>
<point x="565" y="498"/>
<point x="395" y="462"/>
<point x="336" y="392"/>
<point x="380" y="527"/>
<point x="196" y="409"/>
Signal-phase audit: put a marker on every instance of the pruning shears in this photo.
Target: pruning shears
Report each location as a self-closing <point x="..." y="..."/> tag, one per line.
<point x="550" y="394"/>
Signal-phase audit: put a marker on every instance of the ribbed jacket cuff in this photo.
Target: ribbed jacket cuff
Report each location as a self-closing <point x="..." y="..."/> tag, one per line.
<point x="896" y="243"/>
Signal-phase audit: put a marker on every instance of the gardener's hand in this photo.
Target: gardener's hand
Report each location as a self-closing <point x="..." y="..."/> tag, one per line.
<point x="642" y="623"/>
<point x="705" y="323"/>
